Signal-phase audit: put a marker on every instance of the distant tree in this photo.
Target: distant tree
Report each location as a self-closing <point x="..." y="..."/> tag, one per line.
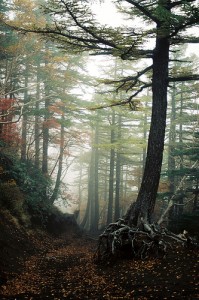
<point x="45" y="125"/>
<point x="25" y="113"/>
<point x="112" y="168"/>
<point x="117" y="212"/>
<point x="37" y="117"/>
<point x="55" y="193"/>
<point x="9" y="131"/>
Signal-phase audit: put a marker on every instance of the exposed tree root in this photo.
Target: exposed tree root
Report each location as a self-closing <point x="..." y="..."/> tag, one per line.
<point x="120" y="240"/>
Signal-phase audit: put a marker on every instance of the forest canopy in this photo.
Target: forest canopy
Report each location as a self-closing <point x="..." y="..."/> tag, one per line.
<point x="99" y="149"/>
<point x="143" y="83"/>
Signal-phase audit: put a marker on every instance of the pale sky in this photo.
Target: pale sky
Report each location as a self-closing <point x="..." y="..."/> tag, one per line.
<point x="107" y="13"/>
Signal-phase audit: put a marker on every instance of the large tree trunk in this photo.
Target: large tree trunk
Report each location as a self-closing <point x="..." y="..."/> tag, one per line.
<point x="144" y="206"/>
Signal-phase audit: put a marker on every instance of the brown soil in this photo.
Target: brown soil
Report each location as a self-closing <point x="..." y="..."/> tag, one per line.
<point x="39" y="266"/>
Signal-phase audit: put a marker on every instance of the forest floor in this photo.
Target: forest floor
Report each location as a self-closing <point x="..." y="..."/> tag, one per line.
<point x="62" y="268"/>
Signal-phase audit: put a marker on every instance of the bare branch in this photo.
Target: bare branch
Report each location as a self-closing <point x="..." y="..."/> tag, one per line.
<point x="184" y="78"/>
<point x="133" y="79"/>
<point x="184" y="40"/>
<point x="130" y="78"/>
<point x="180" y="2"/>
<point x="127" y="101"/>
<point x="171" y="201"/>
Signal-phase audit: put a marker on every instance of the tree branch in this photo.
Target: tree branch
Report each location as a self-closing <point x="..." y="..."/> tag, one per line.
<point x="127" y="101"/>
<point x="185" y="40"/>
<point x="184" y="78"/>
<point x="171" y="201"/>
<point x="143" y="9"/>
<point x="174" y="4"/>
<point x="134" y="79"/>
<point x="88" y="29"/>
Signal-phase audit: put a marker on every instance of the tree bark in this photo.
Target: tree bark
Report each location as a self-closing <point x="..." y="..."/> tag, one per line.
<point x="144" y="206"/>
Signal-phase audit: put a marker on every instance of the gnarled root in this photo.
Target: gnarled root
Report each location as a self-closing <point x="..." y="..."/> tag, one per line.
<point x="121" y="240"/>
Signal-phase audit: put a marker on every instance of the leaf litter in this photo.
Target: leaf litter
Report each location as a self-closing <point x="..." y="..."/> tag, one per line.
<point x="63" y="268"/>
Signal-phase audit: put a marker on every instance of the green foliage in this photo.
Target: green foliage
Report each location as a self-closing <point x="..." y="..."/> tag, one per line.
<point x="30" y="179"/>
<point x="184" y="172"/>
<point x="2" y="143"/>
<point x="35" y="188"/>
<point x="25" y="191"/>
<point x="39" y="210"/>
<point x="163" y="195"/>
<point x="188" y="221"/>
<point x="11" y="197"/>
<point x="192" y="151"/>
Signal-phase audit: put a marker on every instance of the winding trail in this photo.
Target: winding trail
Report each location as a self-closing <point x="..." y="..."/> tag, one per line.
<point x="63" y="268"/>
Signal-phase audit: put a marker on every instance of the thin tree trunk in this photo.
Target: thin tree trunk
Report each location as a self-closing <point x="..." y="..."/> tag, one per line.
<point x="144" y="137"/>
<point x="89" y="221"/>
<point x="37" y="127"/>
<point x="106" y="180"/>
<point x="45" y="130"/>
<point x="179" y="209"/>
<point x="172" y="140"/>
<point x="80" y="190"/>
<point x="91" y="191"/>
<point x="111" y="174"/>
<point x="86" y="219"/>
<point x="181" y="127"/>
<point x="118" y="173"/>
<point x="96" y="176"/>
<point x="25" y="119"/>
<point x="60" y="164"/>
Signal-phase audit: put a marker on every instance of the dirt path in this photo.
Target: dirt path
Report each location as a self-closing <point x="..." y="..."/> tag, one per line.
<point x="64" y="269"/>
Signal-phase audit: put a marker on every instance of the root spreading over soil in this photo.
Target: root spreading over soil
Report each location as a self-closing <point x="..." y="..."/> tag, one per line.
<point x="63" y="268"/>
